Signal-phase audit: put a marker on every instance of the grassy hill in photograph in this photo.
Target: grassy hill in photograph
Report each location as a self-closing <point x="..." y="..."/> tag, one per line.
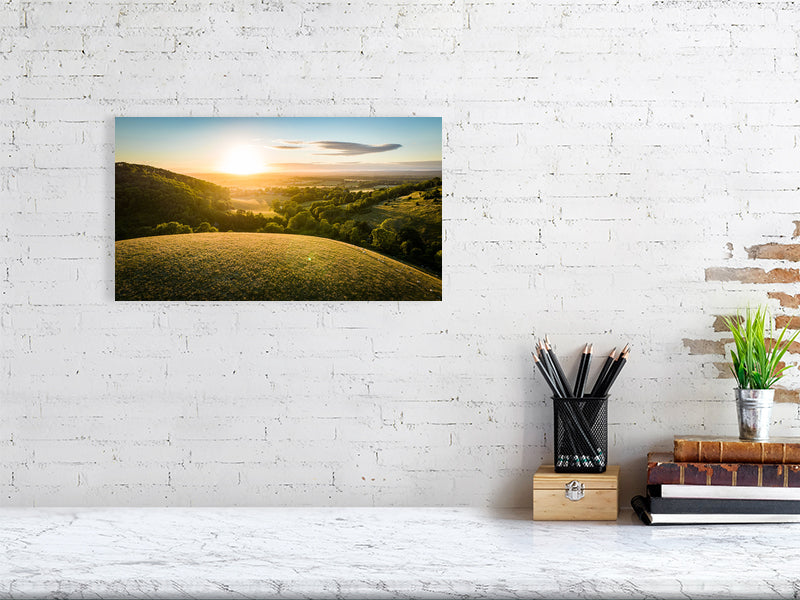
<point x="146" y="196"/>
<point x="262" y="266"/>
<point x="402" y="221"/>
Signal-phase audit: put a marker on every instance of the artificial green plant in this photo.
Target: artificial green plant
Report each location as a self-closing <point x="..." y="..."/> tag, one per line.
<point x="755" y="362"/>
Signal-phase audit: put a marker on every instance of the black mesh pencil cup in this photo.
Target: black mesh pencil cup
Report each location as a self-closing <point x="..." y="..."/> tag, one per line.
<point x="581" y="434"/>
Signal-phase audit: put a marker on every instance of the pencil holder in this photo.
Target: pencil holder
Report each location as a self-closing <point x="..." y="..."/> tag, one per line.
<point x="581" y="434"/>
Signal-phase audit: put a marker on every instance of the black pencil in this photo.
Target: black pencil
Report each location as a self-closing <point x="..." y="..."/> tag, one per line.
<point x="583" y="370"/>
<point x="559" y="370"/>
<point x="577" y="455"/>
<point x="545" y="374"/>
<point x="602" y="375"/>
<point x="614" y="373"/>
<point x="547" y="360"/>
<point x="539" y="354"/>
<point x="548" y="367"/>
<point x="581" y="364"/>
<point x="570" y="441"/>
<point x="604" y="386"/>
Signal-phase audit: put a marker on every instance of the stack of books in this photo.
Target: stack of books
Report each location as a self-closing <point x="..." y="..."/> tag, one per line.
<point x="722" y="480"/>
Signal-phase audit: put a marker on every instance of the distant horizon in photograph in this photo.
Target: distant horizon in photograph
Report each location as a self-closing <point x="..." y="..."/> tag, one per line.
<point x="242" y="146"/>
<point x="278" y="208"/>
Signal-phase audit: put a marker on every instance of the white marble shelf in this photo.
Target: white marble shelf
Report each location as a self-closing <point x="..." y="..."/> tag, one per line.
<point x="382" y="553"/>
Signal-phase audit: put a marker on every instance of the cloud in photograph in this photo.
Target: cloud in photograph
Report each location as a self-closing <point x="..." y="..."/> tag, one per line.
<point x="288" y="145"/>
<point x="334" y="148"/>
<point x="352" y="148"/>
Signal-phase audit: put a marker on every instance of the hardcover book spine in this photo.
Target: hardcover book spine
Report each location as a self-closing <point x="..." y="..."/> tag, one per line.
<point x="719" y="451"/>
<point x="704" y="506"/>
<point x="730" y="474"/>
<point x="639" y="505"/>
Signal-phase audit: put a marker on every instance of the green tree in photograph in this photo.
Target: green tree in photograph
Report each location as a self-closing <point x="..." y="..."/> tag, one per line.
<point x="303" y="222"/>
<point x="205" y="227"/>
<point x="384" y="239"/>
<point x="171" y="228"/>
<point x="272" y="227"/>
<point x="411" y="242"/>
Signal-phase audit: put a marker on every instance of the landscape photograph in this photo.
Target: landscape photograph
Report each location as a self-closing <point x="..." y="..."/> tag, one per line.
<point x="278" y="209"/>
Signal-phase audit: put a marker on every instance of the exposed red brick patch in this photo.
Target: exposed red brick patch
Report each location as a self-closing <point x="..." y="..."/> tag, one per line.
<point x="705" y="346"/>
<point x="794" y="347"/>
<point x="784" y="395"/>
<point x="786" y="300"/>
<point x="781" y="321"/>
<point x="723" y="370"/>
<point x="752" y="275"/>
<point x="788" y="321"/>
<point x="787" y="253"/>
<point x="775" y="252"/>
<point x="719" y="322"/>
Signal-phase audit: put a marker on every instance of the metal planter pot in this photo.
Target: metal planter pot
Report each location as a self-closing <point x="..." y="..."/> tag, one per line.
<point x="754" y="409"/>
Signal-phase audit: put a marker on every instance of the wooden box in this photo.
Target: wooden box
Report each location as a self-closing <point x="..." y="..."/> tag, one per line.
<point x="575" y="496"/>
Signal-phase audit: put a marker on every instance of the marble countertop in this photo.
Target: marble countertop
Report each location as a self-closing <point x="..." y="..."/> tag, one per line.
<point x="383" y="553"/>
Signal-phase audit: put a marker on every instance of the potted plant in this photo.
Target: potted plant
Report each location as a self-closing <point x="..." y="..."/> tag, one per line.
<point x="755" y="366"/>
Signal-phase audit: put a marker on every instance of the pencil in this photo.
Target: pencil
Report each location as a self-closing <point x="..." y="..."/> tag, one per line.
<point x="545" y="374"/>
<point x="559" y="370"/>
<point x="604" y="387"/>
<point x="572" y="440"/>
<point x="547" y="359"/>
<point x="540" y="353"/>
<point x="614" y="373"/>
<point x="568" y="443"/>
<point x="602" y="375"/>
<point x="583" y="370"/>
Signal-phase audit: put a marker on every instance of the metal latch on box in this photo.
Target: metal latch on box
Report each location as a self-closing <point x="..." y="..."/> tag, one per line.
<point x="573" y="490"/>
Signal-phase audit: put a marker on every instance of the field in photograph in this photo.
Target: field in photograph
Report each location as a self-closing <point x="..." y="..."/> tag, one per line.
<point x="257" y="266"/>
<point x="400" y="221"/>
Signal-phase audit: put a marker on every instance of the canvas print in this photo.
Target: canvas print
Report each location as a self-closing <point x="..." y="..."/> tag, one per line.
<point x="278" y="209"/>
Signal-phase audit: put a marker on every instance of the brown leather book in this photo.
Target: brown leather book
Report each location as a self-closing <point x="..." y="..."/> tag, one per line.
<point x="663" y="469"/>
<point x="695" y="448"/>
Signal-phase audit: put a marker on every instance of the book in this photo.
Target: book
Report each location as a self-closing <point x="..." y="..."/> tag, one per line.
<point x="740" y="492"/>
<point x="662" y="468"/>
<point x="640" y="506"/>
<point x="656" y="504"/>
<point x="689" y="448"/>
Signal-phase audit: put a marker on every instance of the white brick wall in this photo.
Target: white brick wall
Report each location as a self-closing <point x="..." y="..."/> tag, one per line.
<point x="598" y="157"/>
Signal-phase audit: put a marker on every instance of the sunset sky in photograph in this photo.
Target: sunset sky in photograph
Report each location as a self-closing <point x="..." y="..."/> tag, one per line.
<point x="246" y="146"/>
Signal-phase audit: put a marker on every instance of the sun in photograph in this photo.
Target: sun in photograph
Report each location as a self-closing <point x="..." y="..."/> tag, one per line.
<point x="242" y="159"/>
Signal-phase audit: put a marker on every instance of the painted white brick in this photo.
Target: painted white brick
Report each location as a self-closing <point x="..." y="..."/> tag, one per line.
<point x="586" y="147"/>
<point x="354" y="16"/>
<point x="511" y="15"/>
<point x="763" y="37"/>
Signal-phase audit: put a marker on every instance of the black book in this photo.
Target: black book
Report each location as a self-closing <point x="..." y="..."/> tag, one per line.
<point x="706" y="506"/>
<point x="641" y="505"/>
